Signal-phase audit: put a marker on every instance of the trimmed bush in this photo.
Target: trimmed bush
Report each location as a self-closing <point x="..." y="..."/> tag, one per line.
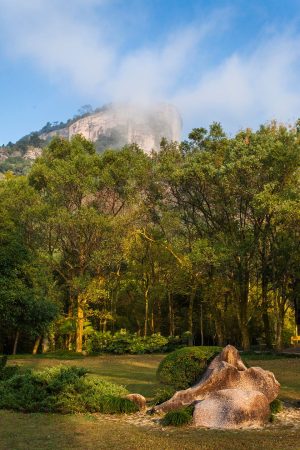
<point x="64" y="390"/>
<point x="179" y="417"/>
<point x="184" y="367"/>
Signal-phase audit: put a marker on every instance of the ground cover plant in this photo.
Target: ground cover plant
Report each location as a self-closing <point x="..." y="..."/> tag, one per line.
<point x="61" y="389"/>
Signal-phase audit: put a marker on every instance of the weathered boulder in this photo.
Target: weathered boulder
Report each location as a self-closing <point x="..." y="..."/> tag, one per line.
<point x="227" y="373"/>
<point x="232" y="408"/>
<point x="138" y="399"/>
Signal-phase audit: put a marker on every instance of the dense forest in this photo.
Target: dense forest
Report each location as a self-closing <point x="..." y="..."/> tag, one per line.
<point x="199" y="240"/>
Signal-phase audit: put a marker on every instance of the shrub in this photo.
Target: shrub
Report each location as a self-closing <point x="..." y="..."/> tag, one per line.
<point x="6" y="372"/>
<point x="276" y="406"/>
<point x="179" y="417"/>
<point x="64" y="390"/>
<point x="184" y="367"/>
<point x="98" y="342"/>
<point x="155" y="343"/>
<point x="120" y="343"/>
<point x="162" y="395"/>
<point x="3" y="362"/>
<point x="123" y="342"/>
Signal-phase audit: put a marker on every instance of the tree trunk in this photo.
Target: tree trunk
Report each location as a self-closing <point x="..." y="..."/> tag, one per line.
<point x="279" y="329"/>
<point x="79" y="328"/>
<point x="71" y="316"/>
<point x="267" y="329"/>
<point x="219" y="326"/>
<point x="171" y="315"/>
<point x="242" y="302"/>
<point x="158" y="317"/>
<point x="243" y="324"/>
<point x="152" y="322"/>
<point x="36" y="345"/>
<point x="190" y="316"/>
<point x="201" y="324"/>
<point x="280" y="305"/>
<point x="69" y="342"/>
<point x="146" y="300"/>
<point x="45" y="344"/>
<point x="265" y="304"/>
<point x="245" y="336"/>
<point x="16" y="342"/>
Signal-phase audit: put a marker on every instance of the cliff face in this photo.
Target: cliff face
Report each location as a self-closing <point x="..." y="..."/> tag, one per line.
<point x="118" y="125"/>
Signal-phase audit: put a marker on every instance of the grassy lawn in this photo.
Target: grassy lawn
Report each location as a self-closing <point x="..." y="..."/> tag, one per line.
<point x="137" y="373"/>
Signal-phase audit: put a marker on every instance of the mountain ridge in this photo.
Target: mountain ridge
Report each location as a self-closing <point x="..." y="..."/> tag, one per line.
<point x="111" y="126"/>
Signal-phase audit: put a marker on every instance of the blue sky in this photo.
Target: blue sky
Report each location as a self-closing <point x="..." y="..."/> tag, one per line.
<point x="237" y="62"/>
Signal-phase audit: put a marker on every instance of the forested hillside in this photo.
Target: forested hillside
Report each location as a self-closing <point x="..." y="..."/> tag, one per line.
<point x="199" y="240"/>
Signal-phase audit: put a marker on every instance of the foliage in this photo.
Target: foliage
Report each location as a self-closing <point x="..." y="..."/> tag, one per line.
<point x="6" y="372"/>
<point x="202" y="237"/>
<point x="163" y="394"/>
<point x="64" y="390"/>
<point x="184" y="367"/>
<point x="178" y="418"/>
<point x="123" y="342"/>
<point x="276" y="406"/>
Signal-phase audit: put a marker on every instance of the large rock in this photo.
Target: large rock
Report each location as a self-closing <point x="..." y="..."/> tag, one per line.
<point x="232" y="408"/>
<point x="138" y="399"/>
<point x="227" y="373"/>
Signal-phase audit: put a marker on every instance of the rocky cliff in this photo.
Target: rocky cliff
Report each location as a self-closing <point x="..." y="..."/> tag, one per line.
<point x="120" y="124"/>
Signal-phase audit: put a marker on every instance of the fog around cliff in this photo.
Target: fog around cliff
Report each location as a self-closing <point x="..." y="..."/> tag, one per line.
<point x="100" y="57"/>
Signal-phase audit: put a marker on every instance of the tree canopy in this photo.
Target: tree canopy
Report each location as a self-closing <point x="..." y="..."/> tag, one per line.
<point x="199" y="239"/>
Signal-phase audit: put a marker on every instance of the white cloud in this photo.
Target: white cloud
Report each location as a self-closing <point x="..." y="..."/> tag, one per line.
<point x="77" y="47"/>
<point x="57" y="40"/>
<point x="245" y="90"/>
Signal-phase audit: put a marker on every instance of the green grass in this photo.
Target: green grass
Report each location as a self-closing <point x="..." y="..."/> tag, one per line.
<point x="49" y="432"/>
<point x="137" y="373"/>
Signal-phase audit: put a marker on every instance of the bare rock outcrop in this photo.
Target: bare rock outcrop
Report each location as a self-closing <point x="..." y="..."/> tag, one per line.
<point x="228" y="389"/>
<point x="119" y="124"/>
